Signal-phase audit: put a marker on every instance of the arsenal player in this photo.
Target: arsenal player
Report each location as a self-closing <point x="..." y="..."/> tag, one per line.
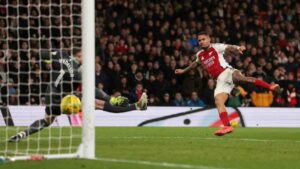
<point x="211" y="57"/>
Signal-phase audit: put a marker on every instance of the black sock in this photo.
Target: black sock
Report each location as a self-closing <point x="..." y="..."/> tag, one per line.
<point x="36" y="126"/>
<point x="118" y="109"/>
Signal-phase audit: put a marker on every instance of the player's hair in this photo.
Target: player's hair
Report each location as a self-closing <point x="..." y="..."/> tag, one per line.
<point x="75" y="51"/>
<point x="203" y="33"/>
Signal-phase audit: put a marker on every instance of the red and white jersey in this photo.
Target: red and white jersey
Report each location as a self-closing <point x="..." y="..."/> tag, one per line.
<point x="213" y="60"/>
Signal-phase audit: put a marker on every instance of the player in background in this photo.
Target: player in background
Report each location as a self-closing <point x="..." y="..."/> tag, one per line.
<point x="65" y="78"/>
<point x="211" y="58"/>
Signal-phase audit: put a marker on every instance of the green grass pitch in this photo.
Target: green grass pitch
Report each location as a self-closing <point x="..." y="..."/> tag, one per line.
<point x="182" y="148"/>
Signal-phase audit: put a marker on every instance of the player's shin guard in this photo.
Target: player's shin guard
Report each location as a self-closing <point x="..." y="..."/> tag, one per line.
<point x="118" y="109"/>
<point x="36" y="126"/>
<point x="224" y="118"/>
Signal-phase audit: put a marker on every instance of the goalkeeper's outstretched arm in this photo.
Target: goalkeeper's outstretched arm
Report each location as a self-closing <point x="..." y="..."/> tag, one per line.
<point x="106" y="106"/>
<point x="124" y="105"/>
<point x="101" y="95"/>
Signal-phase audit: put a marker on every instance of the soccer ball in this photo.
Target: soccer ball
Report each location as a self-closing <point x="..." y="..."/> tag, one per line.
<point x="234" y="124"/>
<point x="70" y="104"/>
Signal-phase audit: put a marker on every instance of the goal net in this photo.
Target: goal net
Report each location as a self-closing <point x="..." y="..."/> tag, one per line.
<point x="28" y="27"/>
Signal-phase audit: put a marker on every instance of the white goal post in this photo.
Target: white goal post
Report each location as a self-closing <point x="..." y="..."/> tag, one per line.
<point x="26" y="28"/>
<point x="88" y="78"/>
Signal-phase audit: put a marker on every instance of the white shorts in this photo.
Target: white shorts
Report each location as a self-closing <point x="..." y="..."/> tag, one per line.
<point x="224" y="82"/>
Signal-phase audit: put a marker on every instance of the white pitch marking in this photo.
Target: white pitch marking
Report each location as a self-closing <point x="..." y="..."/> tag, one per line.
<point x="158" y="164"/>
<point x="205" y="138"/>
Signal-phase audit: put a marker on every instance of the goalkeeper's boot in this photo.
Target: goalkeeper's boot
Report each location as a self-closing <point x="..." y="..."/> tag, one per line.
<point x="17" y="137"/>
<point x="142" y="103"/>
<point x="224" y="130"/>
<point x="119" y="101"/>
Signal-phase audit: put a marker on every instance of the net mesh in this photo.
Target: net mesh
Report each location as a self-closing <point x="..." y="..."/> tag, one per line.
<point x="28" y="27"/>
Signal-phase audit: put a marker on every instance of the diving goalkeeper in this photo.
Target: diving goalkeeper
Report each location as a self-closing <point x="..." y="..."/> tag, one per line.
<point x="65" y="79"/>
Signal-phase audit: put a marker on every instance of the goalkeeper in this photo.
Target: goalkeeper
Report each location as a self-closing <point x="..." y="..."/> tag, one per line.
<point x="65" y="78"/>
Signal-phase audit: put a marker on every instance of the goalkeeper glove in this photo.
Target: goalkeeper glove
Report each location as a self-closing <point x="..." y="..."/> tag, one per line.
<point x="119" y="101"/>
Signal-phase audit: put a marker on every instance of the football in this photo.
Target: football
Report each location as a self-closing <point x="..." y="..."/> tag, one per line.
<point x="70" y="104"/>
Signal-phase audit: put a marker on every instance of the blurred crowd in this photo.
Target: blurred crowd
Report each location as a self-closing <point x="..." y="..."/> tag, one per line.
<point x="139" y="44"/>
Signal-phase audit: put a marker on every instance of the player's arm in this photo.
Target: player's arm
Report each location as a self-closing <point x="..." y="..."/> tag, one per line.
<point x="235" y="49"/>
<point x="191" y="66"/>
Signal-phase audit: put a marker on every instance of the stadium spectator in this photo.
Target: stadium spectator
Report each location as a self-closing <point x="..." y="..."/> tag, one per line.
<point x="100" y="76"/>
<point x="163" y="86"/>
<point x="297" y="86"/>
<point x="178" y="100"/>
<point x="291" y="95"/>
<point x="123" y="86"/>
<point x="174" y="87"/>
<point x="166" y="100"/>
<point x="190" y="83"/>
<point x="137" y="92"/>
<point x="153" y="101"/>
<point x="195" y="101"/>
<point x="234" y="99"/>
<point x="208" y="93"/>
<point x="12" y="92"/>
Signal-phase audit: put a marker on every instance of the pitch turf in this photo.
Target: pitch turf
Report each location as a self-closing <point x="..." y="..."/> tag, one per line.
<point x="185" y="148"/>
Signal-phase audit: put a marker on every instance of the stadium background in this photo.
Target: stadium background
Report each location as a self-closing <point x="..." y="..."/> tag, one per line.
<point x="140" y="43"/>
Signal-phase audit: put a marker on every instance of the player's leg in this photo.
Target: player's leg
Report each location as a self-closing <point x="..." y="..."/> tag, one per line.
<point x="52" y="110"/>
<point x="106" y="106"/>
<point x="239" y="78"/>
<point x="220" y="100"/>
<point x="36" y="126"/>
<point x="223" y="88"/>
